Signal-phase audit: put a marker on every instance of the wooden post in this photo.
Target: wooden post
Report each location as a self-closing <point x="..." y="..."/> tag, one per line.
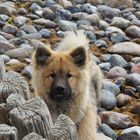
<point x="8" y="132"/>
<point x="64" y="129"/>
<point x="33" y="116"/>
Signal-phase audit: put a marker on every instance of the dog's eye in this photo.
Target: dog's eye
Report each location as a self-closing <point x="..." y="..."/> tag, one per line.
<point x="69" y="75"/>
<point x="52" y="75"/>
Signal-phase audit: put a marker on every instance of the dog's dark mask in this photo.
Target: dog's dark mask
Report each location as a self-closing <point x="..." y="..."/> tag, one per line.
<point x="60" y="89"/>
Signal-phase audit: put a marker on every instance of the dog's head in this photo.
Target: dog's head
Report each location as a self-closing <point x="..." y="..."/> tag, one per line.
<point x="57" y="74"/>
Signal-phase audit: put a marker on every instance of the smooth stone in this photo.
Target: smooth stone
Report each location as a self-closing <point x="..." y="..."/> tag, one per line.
<point x="6" y="35"/>
<point x="93" y="18"/>
<point x="108" y="131"/>
<point x="7" y="8"/>
<point x="4" y="17"/>
<point x="106" y="57"/>
<point x="136" y="109"/>
<point x="117" y="72"/>
<point x="128" y="137"/>
<point x="96" y="59"/>
<point x="79" y="15"/>
<point x="83" y="22"/>
<point x="100" y="34"/>
<point x="27" y="71"/>
<point x="133" y="31"/>
<point x="136" y="68"/>
<point x="126" y="48"/>
<point x="132" y="130"/>
<point x="123" y="100"/>
<point x="103" y="25"/>
<point x="63" y="14"/>
<point x="86" y="28"/>
<point x="65" y="3"/>
<point x="60" y="33"/>
<point x="74" y="9"/>
<point x="36" y="43"/>
<point x="108" y="12"/>
<point x="91" y="36"/>
<point x="118" y="38"/>
<point x="131" y="91"/>
<point x="115" y="120"/>
<point x="33" y="16"/>
<point x="136" y="22"/>
<point x="119" y="81"/>
<point x="136" y="60"/>
<point x="46" y="22"/>
<point x="20" y="33"/>
<point x="133" y="79"/>
<point x="4" y="46"/>
<point x="10" y="29"/>
<point x="22" y="11"/>
<point x="29" y="29"/>
<point x="117" y="60"/>
<point x="45" y="33"/>
<point x="102" y="137"/>
<point x="67" y="25"/>
<point x="107" y="103"/>
<point x="34" y="7"/>
<point x="5" y="58"/>
<point x="120" y="22"/>
<point x="119" y="3"/>
<point x="20" y="21"/>
<point x="49" y="3"/>
<point x="31" y="36"/>
<point x="79" y="1"/>
<point x="2" y="38"/>
<point x="101" y="44"/>
<point x="88" y="8"/>
<point x="105" y="66"/>
<point x="48" y="14"/>
<point x="108" y="85"/>
<point x="20" y="52"/>
<point x="111" y="30"/>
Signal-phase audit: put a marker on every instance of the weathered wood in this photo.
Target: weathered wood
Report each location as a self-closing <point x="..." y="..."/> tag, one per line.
<point x="8" y="132"/>
<point x="13" y="83"/>
<point x="14" y="100"/>
<point x="2" y="69"/>
<point x="33" y="116"/>
<point x="3" y="114"/>
<point x="64" y="129"/>
<point x="33" y="136"/>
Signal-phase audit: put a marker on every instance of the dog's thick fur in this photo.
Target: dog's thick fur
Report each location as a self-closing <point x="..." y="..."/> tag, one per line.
<point x="85" y="81"/>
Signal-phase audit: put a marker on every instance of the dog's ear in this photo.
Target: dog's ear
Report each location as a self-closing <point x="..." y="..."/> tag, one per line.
<point x="41" y="55"/>
<point x="79" y="56"/>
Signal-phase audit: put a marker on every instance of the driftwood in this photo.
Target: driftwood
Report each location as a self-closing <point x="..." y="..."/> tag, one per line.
<point x="2" y="69"/>
<point x="7" y="132"/>
<point x="3" y="114"/>
<point x="33" y="116"/>
<point x="13" y="83"/>
<point x="33" y="136"/>
<point x="64" y="129"/>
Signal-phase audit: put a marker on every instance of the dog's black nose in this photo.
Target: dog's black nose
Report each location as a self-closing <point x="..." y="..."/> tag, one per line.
<point x="60" y="89"/>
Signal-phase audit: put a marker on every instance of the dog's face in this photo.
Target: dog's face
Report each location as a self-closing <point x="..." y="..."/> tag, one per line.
<point x="61" y="72"/>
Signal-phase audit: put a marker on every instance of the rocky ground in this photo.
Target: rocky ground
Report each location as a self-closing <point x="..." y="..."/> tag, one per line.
<point x="113" y="28"/>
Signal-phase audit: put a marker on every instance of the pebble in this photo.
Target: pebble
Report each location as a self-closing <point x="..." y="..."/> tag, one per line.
<point x="105" y="66"/>
<point x="123" y="100"/>
<point x="120" y="22"/>
<point x="108" y="131"/>
<point x="101" y="44"/>
<point x="126" y="48"/>
<point x="29" y="29"/>
<point x="132" y="130"/>
<point x="88" y="8"/>
<point x="27" y="71"/>
<point x="136" y="109"/>
<point x="108" y="85"/>
<point x="48" y="14"/>
<point x="128" y="137"/>
<point x="115" y="120"/>
<point x="136" y="68"/>
<point x="106" y="57"/>
<point x="117" y="72"/>
<point x="107" y="103"/>
<point x="5" y="58"/>
<point x="4" y="17"/>
<point x="102" y="137"/>
<point x="133" y="31"/>
<point x="117" y="60"/>
<point x="20" y="21"/>
<point x="5" y="46"/>
<point x="10" y="29"/>
<point x="45" y="33"/>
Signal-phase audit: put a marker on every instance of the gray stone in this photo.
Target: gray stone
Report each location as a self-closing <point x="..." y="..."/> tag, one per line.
<point x="105" y="66"/>
<point x="5" y="58"/>
<point x="108" y="85"/>
<point x="22" y="11"/>
<point x="107" y="99"/>
<point x="102" y="137"/>
<point x="132" y="130"/>
<point x="88" y="8"/>
<point x="117" y="72"/>
<point x="117" y="60"/>
<point x="115" y="120"/>
<point x="29" y="29"/>
<point x="106" y="57"/>
<point x="4" y="17"/>
<point x="126" y="48"/>
<point x="93" y="18"/>
<point x="45" y="22"/>
<point x="133" y="31"/>
<point x="4" y="46"/>
<point x="103" y="25"/>
<point x="67" y="25"/>
<point x="10" y="29"/>
<point x="27" y="71"/>
<point x="120" y="22"/>
<point x="101" y="44"/>
<point x="108" y="131"/>
<point x="79" y="15"/>
<point x="45" y="33"/>
<point x="20" y="20"/>
<point x="48" y="14"/>
<point x="31" y="36"/>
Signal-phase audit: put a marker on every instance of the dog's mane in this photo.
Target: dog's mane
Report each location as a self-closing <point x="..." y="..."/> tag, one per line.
<point x="73" y="39"/>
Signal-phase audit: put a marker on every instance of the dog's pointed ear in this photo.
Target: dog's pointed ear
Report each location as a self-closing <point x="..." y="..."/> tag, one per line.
<point x="79" y="56"/>
<point x="41" y="55"/>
